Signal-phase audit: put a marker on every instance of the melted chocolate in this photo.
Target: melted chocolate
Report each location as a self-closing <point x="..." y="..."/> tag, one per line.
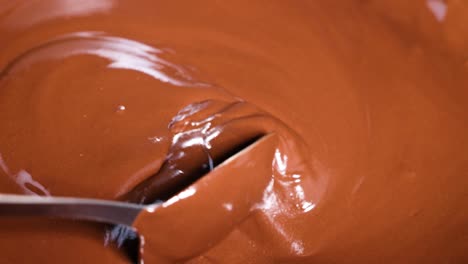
<point x="367" y="101"/>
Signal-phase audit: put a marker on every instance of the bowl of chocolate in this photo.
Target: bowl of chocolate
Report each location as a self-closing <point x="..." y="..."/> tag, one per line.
<point x="248" y="131"/>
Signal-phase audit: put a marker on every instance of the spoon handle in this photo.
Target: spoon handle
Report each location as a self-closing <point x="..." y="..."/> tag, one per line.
<point x="103" y="211"/>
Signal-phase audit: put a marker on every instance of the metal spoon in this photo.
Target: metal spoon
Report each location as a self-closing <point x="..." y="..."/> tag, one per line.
<point x="95" y="210"/>
<point x="103" y="211"/>
<point x="130" y="214"/>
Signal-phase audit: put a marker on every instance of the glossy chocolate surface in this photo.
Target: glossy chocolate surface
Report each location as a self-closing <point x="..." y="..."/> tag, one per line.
<point x="365" y="102"/>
